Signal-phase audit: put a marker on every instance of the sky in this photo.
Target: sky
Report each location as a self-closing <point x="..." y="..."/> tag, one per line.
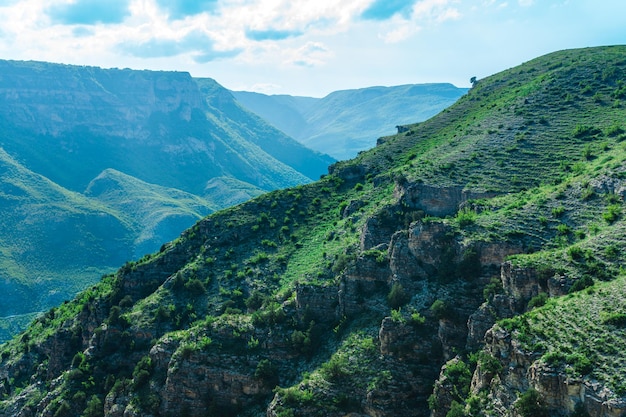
<point x="307" y="47"/>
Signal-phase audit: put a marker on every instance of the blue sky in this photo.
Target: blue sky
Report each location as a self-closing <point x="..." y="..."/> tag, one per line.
<point x="305" y="47"/>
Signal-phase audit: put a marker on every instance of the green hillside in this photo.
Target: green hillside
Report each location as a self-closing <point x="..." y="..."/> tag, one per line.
<point x="346" y="122"/>
<point x="102" y="166"/>
<point x="484" y="244"/>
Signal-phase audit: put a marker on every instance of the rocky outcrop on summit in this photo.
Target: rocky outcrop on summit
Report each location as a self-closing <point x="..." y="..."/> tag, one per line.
<point x="52" y="99"/>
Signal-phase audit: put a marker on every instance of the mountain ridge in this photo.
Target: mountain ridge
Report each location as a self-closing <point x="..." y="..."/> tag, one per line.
<point x="332" y="124"/>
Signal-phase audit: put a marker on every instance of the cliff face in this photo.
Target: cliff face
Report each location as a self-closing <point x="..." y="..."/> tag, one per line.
<point x="55" y="99"/>
<point x="155" y="126"/>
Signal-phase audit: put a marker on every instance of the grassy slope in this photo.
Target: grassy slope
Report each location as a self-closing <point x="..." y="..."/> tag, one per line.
<point x="58" y="238"/>
<point x="540" y="134"/>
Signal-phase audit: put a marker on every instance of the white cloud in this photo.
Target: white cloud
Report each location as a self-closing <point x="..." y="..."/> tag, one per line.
<point x="311" y="54"/>
<point x="277" y="42"/>
<point x="424" y="13"/>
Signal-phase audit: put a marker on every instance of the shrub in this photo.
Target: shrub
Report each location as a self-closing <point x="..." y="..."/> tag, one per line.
<point x="580" y="363"/>
<point x="141" y="373"/>
<point x="341" y="263"/>
<point x="615" y="319"/>
<point x="267" y="372"/>
<point x="494" y="287"/>
<point x="558" y="211"/>
<point x="126" y="302"/>
<point x="489" y="363"/>
<point x="528" y="405"/>
<point x="581" y="283"/>
<point x="334" y="369"/>
<point x="63" y="410"/>
<point x="440" y="309"/>
<point x="397" y="296"/>
<point x="581" y="131"/>
<point x="614" y="130"/>
<point x="195" y="286"/>
<point x="396" y="316"/>
<point x="255" y="301"/>
<point x="459" y="376"/>
<point x="417" y="319"/>
<point x="587" y="193"/>
<point x="466" y="217"/>
<point x="611" y="251"/>
<point x="576" y="253"/>
<point x="456" y="410"/>
<point x="612" y="213"/>
<point x="538" y="301"/>
<point x="563" y="229"/>
<point x="94" y="408"/>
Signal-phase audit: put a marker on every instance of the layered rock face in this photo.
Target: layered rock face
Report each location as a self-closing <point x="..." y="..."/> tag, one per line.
<point x="53" y="99"/>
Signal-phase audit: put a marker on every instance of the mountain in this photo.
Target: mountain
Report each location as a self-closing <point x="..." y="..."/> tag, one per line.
<point x="101" y="166"/>
<point x="471" y="265"/>
<point x="346" y="122"/>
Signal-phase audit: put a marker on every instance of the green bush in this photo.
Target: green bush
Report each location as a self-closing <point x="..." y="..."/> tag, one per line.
<point x="581" y="283"/>
<point x="255" y="301"/>
<point x="529" y="405"/>
<point x="456" y="410"/>
<point x="195" y="286"/>
<point x="334" y="369"/>
<point x="489" y="363"/>
<point x="94" y="408"/>
<point x="558" y="211"/>
<point x="494" y="287"/>
<point x="615" y="319"/>
<point x="466" y="217"/>
<point x="538" y="301"/>
<point x="580" y="363"/>
<point x="397" y="296"/>
<point x="612" y="213"/>
<point x="267" y="372"/>
<point x="441" y="310"/>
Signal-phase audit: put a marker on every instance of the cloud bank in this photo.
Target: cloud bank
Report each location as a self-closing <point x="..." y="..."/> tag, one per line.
<point x="299" y="46"/>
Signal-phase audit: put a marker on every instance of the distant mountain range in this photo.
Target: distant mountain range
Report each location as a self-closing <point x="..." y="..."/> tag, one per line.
<point x="346" y="122"/>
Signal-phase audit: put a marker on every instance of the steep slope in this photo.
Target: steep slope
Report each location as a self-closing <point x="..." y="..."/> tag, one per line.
<point x="247" y="125"/>
<point x="152" y="210"/>
<point x="109" y="164"/>
<point x="347" y="122"/>
<point x="386" y="287"/>
<point x="56" y="242"/>
<point x="39" y="217"/>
